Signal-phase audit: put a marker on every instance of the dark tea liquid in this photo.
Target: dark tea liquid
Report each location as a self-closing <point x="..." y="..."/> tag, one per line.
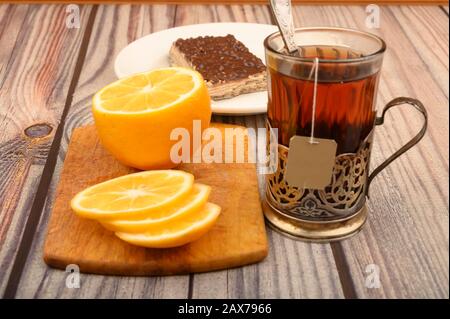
<point x="345" y="101"/>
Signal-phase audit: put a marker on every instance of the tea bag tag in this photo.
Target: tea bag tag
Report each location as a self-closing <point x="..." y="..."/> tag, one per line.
<point x="310" y="160"/>
<point x="310" y="165"/>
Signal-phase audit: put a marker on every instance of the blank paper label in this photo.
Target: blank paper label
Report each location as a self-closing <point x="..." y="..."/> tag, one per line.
<point x="310" y="165"/>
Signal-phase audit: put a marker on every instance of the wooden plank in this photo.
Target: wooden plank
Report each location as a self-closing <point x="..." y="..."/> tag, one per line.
<point x="191" y="14"/>
<point x="293" y="269"/>
<point x="38" y="62"/>
<point x="11" y="19"/>
<point x="114" y="28"/>
<point x="407" y="232"/>
<point x="309" y="2"/>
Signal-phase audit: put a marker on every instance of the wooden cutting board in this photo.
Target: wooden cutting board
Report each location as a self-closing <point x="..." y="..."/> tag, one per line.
<point x="238" y="237"/>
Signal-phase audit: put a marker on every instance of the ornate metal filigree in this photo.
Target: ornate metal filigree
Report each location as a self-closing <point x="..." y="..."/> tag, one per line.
<point x="344" y="196"/>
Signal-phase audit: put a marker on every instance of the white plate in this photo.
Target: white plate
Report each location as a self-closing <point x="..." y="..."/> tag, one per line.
<point x="152" y="51"/>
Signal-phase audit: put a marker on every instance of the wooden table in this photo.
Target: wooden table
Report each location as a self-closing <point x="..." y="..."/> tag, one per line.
<point x="48" y="74"/>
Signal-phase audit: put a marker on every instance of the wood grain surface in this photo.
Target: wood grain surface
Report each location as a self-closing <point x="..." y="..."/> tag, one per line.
<point x="406" y="238"/>
<point x="38" y="56"/>
<point x="309" y="2"/>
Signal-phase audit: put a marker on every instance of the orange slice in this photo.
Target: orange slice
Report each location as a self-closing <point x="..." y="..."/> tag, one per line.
<point x="180" y="232"/>
<point x="161" y="218"/>
<point x="133" y="195"/>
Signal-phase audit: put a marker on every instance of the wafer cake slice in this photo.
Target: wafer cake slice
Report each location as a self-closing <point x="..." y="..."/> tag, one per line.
<point x="225" y="63"/>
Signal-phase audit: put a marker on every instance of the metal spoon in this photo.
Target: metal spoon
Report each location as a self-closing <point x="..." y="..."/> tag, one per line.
<point x="282" y="11"/>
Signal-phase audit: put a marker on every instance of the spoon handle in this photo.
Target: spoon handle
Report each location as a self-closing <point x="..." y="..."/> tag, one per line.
<point x="282" y="11"/>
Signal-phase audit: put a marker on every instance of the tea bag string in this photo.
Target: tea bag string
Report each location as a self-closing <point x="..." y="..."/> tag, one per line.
<point x="314" y="69"/>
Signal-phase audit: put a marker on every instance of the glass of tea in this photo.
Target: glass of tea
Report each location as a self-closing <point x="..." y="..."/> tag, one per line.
<point x="326" y="90"/>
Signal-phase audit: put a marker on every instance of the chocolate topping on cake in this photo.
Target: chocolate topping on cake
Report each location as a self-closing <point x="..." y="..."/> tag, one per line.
<point x="220" y="59"/>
